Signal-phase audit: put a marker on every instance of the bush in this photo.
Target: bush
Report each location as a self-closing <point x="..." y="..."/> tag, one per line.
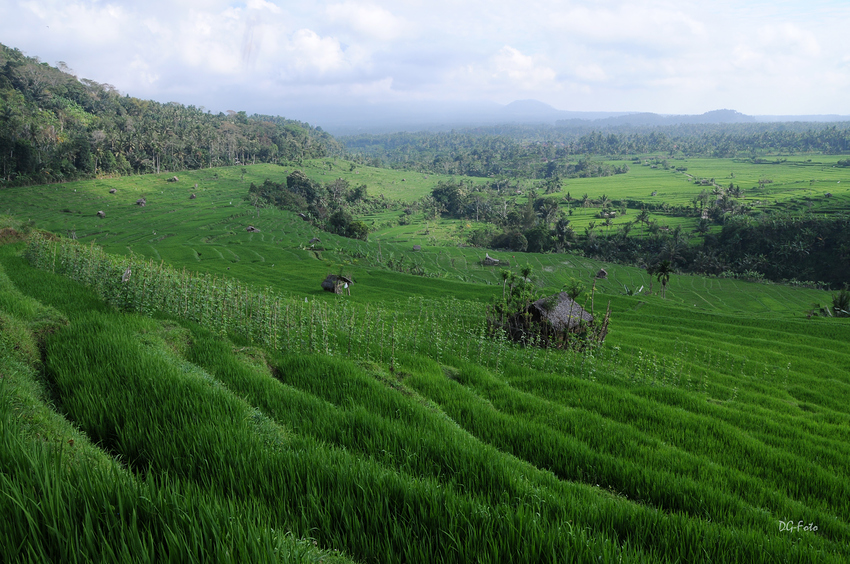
<point x="841" y="303"/>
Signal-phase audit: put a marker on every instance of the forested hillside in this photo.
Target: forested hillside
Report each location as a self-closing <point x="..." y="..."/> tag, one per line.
<point x="56" y="127"/>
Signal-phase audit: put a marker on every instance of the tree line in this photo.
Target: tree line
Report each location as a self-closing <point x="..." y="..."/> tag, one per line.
<point x="780" y="247"/>
<point x="544" y="151"/>
<point x="55" y="127"/>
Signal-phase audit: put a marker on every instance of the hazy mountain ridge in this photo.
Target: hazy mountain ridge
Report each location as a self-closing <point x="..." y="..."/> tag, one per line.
<point x="447" y="116"/>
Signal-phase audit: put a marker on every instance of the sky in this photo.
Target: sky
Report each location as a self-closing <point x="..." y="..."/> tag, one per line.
<point x="283" y="57"/>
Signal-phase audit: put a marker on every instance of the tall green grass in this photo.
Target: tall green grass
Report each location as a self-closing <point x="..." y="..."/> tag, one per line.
<point x="63" y="499"/>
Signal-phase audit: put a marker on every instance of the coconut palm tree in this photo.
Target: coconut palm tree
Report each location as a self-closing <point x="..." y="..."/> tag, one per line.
<point x="506" y="275"/>
<point x="643" y="217"/>
<point x="662" y="273"/>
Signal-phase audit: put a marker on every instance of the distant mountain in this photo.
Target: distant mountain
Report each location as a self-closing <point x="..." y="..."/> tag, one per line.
<point x="534" y="111"/>
<point x="447" y="116"/>
<point x="649" y="119"/>
<point x="435" y="117"/>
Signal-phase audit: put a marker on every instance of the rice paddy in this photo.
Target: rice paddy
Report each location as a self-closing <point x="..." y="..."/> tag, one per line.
<point x="219" y="406"/>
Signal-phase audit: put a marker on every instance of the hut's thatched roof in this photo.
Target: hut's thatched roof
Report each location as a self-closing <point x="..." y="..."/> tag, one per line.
<point x="561" y="311"/>
<point x="602" y="273"/>
<point x="336" y="283"/>
<point x="489" y="261"/>
<point x="251" y="229"/>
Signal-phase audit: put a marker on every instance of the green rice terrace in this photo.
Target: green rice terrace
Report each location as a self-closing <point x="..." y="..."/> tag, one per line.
<point x="175" y="384"/>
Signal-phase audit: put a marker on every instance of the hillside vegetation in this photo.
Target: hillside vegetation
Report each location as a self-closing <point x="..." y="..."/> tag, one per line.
<point x="224" y="416"/>
<point x="56" y="127"/>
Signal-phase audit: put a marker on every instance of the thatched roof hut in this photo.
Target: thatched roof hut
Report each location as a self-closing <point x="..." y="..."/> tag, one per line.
<point x="561" y="311"/>
<point x="555" y="321"/>
<point x="337" y="284"/>
<point x="489" y="261"/>
<point x="173" y="179"/>
<point x="602" y="273"/>
<point x="315" y="240"/>
<point x="251" y="229"/>
<point x="101" y="214"/>
<point x="417" y="248"/>
<point x="141" y="202"/>
<point x="112" y="190"/>
<point x="193" y="196"/>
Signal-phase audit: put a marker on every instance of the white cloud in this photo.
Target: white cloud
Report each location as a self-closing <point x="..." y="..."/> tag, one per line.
<point x="311" y="52"/>
<point x="367" y="20"/>
<point x="521" y="71"/>
<point x="263" y="5"/>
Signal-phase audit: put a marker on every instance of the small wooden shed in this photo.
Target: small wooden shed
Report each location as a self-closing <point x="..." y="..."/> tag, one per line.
<point x="337" y="284"/>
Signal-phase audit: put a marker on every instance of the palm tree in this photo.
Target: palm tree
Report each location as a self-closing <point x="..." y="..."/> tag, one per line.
<point x="549" y="211"/>
<point x="663" y="272"/>
<point x="506" y="275"/>
<point x="643" y="217"/>
<point x="625" y="230"/>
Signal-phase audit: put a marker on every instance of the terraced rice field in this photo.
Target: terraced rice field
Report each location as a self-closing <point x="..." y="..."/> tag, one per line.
<point x="384" y="427"/>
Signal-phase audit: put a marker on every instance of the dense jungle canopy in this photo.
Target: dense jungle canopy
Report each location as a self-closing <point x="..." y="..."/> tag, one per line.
<point x="55" y="127"/>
